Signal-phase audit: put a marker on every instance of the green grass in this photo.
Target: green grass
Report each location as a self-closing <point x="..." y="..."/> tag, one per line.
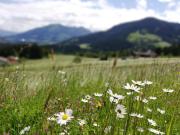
<point x="36" y="90"/>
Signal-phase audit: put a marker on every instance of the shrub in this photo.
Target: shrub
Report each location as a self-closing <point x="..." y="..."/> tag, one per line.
<point x="77" y="59"/>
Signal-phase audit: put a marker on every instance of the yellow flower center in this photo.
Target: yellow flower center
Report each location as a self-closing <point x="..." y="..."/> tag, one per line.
<point x="65" y="117"/>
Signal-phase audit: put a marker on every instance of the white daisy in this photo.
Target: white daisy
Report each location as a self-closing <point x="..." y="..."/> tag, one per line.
<point x="64" y="117"/>
<point x="138" y="98"/>
<point x="107" y="130"/>
<point x="146" y="82"/>
<point x="152" y="122"/>
<point x="61" y="72"/>
<point x="23" y="131"/>
<point x="155" y="131"/>
<point x="82" y="122"/>
<point x="95" y="124"/>
<point x="136" y="115"/>
<point x="152" y="98"/>
<point x="64" y="133"/>
<point x="88" y="97"/>
<point x="120" y="111"/>
<point x="113" y="100"/>
<point x="161" y="111"/>
<point x="140" y="83"/>
<point x="7" y="79"/>
<point x="119" y="97"/>
<point x="168" y="90"/>
<point x="98" y="94"/>
<point x="110" y="92"/>
<point x="145" y="101"/>
<point x="149" y="110"/>
<point x="84" y="100"/>
<point x="129" y="93"/>
<point x="140" y="129"/>
<point x="51" y="119"/>
<point x="132" y="87"/>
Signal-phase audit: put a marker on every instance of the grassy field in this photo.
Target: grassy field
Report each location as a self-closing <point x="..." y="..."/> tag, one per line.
<point x="91" y="98"/>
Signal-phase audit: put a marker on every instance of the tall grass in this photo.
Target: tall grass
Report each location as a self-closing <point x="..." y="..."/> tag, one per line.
<point x="29" y="98"/>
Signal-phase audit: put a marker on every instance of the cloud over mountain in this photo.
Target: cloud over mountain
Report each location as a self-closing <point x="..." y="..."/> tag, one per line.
<point x="21" y="15"/>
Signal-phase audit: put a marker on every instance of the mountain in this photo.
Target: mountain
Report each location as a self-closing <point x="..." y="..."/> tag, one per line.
<point x="128" y="35"/>
<point x="49" y="34"/>
<point x="4" y="33"/>
<point x="2" y="40"/>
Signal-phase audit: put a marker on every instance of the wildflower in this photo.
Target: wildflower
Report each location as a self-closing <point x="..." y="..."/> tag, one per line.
<point x="145" y="101"/>
<point x="129" y="93"/>
<point x="51" y="119"/>
<point x="64" y="117"/>
<point x="107" y="130"/>
<point x="110" y="92"/>
<point x="138" y="98"/>
<point x="146" y="82"/>
<point x="140" y="83"/>
<point x="120" y="111"/>
<point x="64" y="133"/>
<point x="149" y="110"/>
<point x="119" y="97"/>
<point x="61" y="72"/>
<point x="95" y="124"/>
<point x="155" y="131"/>
<point x="23" y="131"/>
<point x="84" y="100"/>
<point x="136" y="115"/>
<point x="7" y="79"/>
<point x="161" y="111"/>
<point x="113" y="100"/>
<point x="88" y="97"/>
<point x="168" y="90"/>
<point x="98" y="104"/>
<point x="132" y="87"/>
<point x="152" y="98"/>
<point x="152" y="122"/>
<point x="98" y="94"/>
<point x="82" y="122"/>
<point x="140" y="129"/>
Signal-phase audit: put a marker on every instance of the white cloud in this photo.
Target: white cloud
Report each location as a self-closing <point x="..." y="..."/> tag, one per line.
<point x="92" y="14"/>
<point x="166" y="1"/>
<point x="141" y="4"/>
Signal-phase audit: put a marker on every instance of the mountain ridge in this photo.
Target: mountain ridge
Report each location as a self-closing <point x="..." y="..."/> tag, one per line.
<point x="49" y="34"/>
<point x="116" y="37"/>
<point x="4" y="33"/>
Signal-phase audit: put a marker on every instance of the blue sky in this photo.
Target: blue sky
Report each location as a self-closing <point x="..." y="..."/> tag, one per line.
<point x="22" y="15"/>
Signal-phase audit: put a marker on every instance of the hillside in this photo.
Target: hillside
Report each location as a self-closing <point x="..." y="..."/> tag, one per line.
<point x="118" y="38"/>
<point x="4" y="33"/>
<point x="49" y="34"/>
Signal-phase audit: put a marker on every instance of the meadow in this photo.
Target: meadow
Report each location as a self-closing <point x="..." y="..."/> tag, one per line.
<point x="135" y="97"/>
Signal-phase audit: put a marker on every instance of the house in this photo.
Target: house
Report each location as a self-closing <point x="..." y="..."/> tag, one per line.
<point x="13" y="59"/>
<point x="4" y="61"/>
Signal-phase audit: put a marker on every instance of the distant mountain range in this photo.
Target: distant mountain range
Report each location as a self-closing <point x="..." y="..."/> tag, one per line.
<point x="128" y="35"/>
<point x="4" y="33"/>
<point x="142" y="34"/>
<point x="49" y="34"/>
